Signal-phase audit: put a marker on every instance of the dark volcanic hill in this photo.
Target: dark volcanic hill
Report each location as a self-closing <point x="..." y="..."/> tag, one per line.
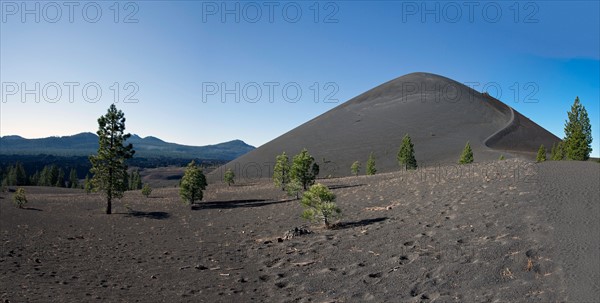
<point x="149" y="147"/>
<point x="440" y="115"/>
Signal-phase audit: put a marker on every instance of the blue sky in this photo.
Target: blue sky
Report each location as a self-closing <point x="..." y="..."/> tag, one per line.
<point x="171" y="59"/>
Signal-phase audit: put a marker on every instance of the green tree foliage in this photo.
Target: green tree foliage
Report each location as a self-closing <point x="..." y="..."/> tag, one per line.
<point x="229" y="177"/>
<point x="73" y="179"/>
<point x="467" y="155"/>
<point x="541" y="154"/>
<point x="319" y="204"/>
<point x="16" y="176"/>
<point x="109" y="166"/>
<point x="371" y="169"/>
<point x="355" y="168"/>
<point x="304" y="169"/>
<point x="135" y="180"/>
<point x="60" y="180"/>
<point x="406" y="154"/>
<point x="557" y="152"/>
<point x="501" y="157"/>
<point x="19" y="198"/>
<point x="578" y="133"/>
<point x="146" y="190"/>
<point x="49" y="176"/>
<point x="88" y="185"/>
<point x="282" y="171"/>
<point x="293" y="188"/>
<point x="192" y="184"/>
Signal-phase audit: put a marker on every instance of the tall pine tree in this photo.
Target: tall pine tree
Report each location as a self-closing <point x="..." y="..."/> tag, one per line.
<point x="541" y="154"/>
<point x="109" y="165"/>
<point x="281" y="171"/>
<point x="578" y="133"/>
<point x="406" y="154"/>
<point x="371" y="169"/>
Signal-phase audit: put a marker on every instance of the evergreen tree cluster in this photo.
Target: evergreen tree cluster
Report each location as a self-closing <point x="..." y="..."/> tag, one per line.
<point x="303" y="171"/>
<point x="134" y="180"/>
<point x="50" y="175"/>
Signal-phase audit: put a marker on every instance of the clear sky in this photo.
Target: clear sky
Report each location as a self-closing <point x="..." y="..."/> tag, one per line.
<point x="166" y="63"/>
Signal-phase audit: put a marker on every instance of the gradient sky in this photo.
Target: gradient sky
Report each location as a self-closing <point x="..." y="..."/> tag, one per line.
<point x="169" y="54"/>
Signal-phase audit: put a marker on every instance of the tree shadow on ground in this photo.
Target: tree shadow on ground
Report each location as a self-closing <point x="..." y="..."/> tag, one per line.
<point x="158" y="215"/>
<point x="237" y="203"/>
<point x="339" y="186"/>
<point x="32" y="208"/>
<point x="365" y="222"/>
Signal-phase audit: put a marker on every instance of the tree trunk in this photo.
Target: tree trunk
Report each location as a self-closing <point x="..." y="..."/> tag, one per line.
<point x="108" y="206"/>
<point x="326" y="222"/>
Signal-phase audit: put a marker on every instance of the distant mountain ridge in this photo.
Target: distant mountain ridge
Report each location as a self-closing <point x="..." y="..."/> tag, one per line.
<point x="148" y="147"/>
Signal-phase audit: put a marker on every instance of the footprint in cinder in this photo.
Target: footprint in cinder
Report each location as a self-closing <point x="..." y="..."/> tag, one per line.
<point x="409" y="243"/>
<point x="264" y="278"/>
<point x="271" y="262"/>
<point x="375" y="275"/>
<point x="450" y="217"/>
<point x="403" y="260"/>
<point x="281" y="284"/>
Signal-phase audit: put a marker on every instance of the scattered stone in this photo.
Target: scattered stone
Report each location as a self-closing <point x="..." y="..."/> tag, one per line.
<point x="296" y="232"/>
<point x="200" y="267"/>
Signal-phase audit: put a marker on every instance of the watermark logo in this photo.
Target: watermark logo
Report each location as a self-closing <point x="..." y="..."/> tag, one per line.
<point x="251" y="171"/>
<point x="69" y="11"/>
<point x="71" y="91"/>
<point x="519" y="172"/>
<point x="254" y="92"/>
<point x="452" y="92"/>
<point x="269" y="11"/>
<point x="469" y="11"/>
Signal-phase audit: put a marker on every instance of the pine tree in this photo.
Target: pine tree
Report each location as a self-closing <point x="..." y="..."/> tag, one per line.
<point x="319" y="203"/>
<point x="192" y="184"/>
<point x="109" y="165"/>
<point x="541" y="154"/>
<point x="137" y="180"/>
<point x="355" y="168"/>
<point x="467" y="155"/>
<point x="146" y="190"/>
<point x="281" y="171"/>
<point x="11" y="177"/>
<point x="229" y="177"/>
<point x="21" y="175"/>
<point x="88" y="186"/>
<point x="558" y="152"/>
<point x="371" y="170"/>
<point x="35" y="178"/>
<point x="60" y="180"/>
<point x="293" y="188"/>
<point x="578" y="133"/>
<point x="73" y="179"/>
<point x="406" y="154"/>
<point x="19" y="199"/>
<point x="304" y="169"/>
<point x="16" y="175"/>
